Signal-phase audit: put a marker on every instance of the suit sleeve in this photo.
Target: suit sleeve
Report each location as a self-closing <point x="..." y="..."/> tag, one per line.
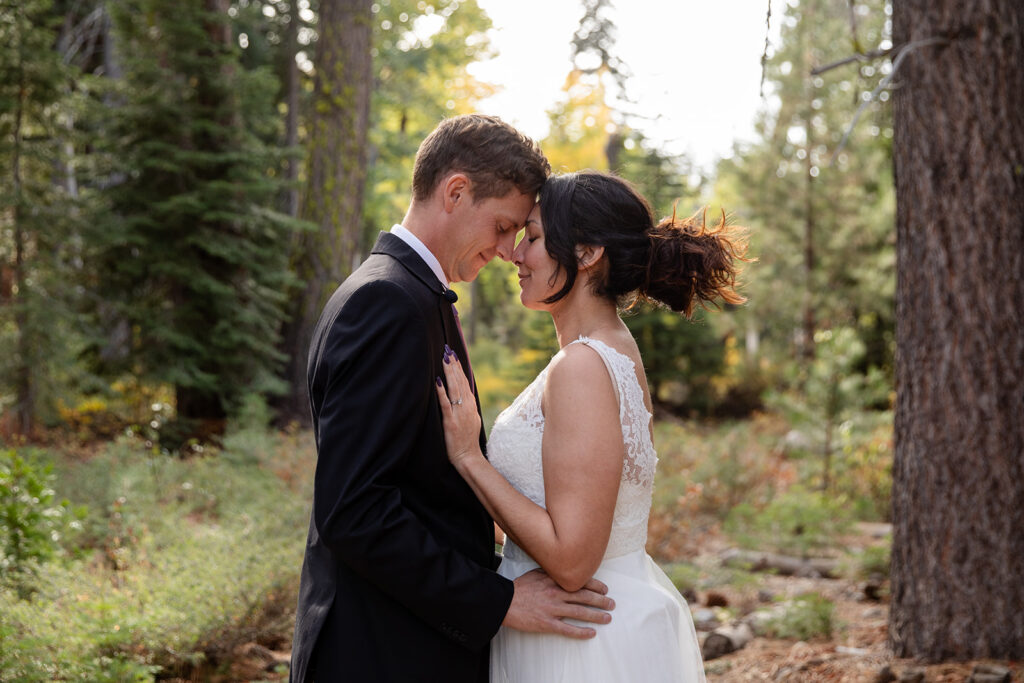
<point x="376" y="394"/>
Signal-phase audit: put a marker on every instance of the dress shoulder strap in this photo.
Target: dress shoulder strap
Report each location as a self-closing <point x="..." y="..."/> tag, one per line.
<point x="620" y="366"/>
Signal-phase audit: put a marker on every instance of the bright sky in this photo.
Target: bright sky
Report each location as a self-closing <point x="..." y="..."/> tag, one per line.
<point x="696" y="66"/>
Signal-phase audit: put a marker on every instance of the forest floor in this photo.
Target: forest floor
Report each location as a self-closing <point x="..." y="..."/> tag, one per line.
<point x="856" y="652"/>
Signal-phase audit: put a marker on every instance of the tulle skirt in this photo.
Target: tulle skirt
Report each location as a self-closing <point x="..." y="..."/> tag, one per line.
<point x="650" y="637"/>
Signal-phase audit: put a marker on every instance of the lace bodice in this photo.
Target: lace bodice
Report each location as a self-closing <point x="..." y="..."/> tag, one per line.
<point x="514" y="449"/>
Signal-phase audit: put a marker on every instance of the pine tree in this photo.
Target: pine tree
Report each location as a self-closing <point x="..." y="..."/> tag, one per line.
<point x="822" y="217"/>
<point x="35" y="211"/>
<point x="190" y="253"/>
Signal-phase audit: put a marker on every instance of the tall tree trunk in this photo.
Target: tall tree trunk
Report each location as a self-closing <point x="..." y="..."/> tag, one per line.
<point x="291" y="121"/>
<point x="808" y="317"/>
<point x="24" y="384"/>
<point x="336" y="175"/>
<point x="958" y="474"/>
<point x="117" y="345"/>
<point x="111" y="59"/>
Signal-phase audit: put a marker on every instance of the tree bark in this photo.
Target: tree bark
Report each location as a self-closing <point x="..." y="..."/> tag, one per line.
<point x="808" y="317"/>
<point x="336" y="174"/>
<point x="291" y="122"/>
<point x="24" y="384"/>
<point x="958" y="473"/>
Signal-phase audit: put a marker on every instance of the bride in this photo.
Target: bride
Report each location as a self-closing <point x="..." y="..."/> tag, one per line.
<point x="571" y="462"/>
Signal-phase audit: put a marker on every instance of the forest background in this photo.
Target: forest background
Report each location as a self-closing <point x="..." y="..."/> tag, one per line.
<point x="186" y="182"/>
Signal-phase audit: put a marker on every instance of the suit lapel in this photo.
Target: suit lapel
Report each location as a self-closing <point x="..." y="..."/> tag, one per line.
<point x="394" y="247"/>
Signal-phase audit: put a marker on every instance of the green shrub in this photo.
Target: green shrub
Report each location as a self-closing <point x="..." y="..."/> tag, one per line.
<point x="836" y="412"/>
<point x="683" y="576"/>
<point x="872" y="561"/>
<point x="803" y="618"/>
<point x="30" y="521"/>
<point x="178" y="563"/>
<point x="797" y="522"/>
<point x="246" y="438"/>
<point x="710" y="468"/>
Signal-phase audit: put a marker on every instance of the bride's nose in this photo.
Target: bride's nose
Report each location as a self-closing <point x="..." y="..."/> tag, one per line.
<point x="517" y="253"/>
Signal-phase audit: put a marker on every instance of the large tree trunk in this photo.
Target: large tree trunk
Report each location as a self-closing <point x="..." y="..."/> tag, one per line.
<point x="958" y="475"/>
<point x="24" y="384"/>
<point x="117" y="345"/>
<point x="336" y="175"/>
<point x="291" y="122"/>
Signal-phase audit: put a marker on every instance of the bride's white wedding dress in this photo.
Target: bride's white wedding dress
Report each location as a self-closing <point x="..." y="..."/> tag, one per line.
<point x="651" y="636"/>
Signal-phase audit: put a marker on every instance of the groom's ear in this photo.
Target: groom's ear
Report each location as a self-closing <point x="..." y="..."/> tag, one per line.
<point x="456" y="189"/>
<point x="587" y="255"/>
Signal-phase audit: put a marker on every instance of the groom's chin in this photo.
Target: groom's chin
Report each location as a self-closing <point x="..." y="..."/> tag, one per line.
<point x="483" y="261"/>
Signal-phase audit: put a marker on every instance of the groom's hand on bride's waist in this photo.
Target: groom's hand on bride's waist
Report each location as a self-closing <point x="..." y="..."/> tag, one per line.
<point x="540" y="605"/>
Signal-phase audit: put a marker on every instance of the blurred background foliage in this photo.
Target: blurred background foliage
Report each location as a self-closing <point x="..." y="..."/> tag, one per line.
<point x="148" y="217"/>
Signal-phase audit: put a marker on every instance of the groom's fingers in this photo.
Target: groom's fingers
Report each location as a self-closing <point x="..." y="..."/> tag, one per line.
<point x="568" y="630"/>
<point x="588" y="614"/>
<point x="591" y="601"/>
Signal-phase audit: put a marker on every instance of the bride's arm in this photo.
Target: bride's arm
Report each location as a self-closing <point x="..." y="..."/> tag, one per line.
<point x="582" y="456"/>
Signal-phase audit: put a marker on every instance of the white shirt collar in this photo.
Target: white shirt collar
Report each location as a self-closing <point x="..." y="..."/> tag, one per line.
<point x="421" y="249"/>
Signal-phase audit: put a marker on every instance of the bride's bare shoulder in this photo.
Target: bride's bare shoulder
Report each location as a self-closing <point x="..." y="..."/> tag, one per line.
<point x="578" y="372"/>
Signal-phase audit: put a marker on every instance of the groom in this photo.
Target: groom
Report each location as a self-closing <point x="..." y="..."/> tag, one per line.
<point x="398" y="580"/>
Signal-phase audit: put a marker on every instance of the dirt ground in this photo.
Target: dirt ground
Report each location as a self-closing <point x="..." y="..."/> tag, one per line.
<point x="855" y="653"/>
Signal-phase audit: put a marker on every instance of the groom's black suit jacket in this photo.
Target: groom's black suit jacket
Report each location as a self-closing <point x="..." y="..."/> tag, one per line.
<point x="397" y="581"/>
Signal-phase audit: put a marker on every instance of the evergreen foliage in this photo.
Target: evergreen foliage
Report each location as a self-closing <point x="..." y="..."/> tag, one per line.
<point x="37" y="214"/>
<point x="795" y="175"/>
<point x="30" y="520"/>
<point x="420" y="55"/>
<point x="189" y="249"/>
<point x="588" y="131"/>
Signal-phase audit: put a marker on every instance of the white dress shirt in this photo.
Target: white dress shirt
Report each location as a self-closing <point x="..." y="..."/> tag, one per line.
<point x="421" y="249"/>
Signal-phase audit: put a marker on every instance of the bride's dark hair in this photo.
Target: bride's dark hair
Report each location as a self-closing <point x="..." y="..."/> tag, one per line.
<point x="676" y="262"/>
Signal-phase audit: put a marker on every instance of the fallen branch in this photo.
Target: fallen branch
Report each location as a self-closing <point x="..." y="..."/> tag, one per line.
<point x="782" y="564"/>
<point x="725" y="640"/>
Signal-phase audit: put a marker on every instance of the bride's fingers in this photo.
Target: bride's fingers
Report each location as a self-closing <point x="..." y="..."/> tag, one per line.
<point x="442" y="397"/>
<point x="458" y="385"/>
<point x="596" y="586"/>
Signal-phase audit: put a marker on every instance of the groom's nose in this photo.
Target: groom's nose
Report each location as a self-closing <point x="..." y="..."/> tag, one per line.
<point x="507" y="244"/>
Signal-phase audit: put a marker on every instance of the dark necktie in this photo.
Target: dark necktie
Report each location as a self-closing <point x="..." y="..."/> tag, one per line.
<point x="465" y="361"/>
